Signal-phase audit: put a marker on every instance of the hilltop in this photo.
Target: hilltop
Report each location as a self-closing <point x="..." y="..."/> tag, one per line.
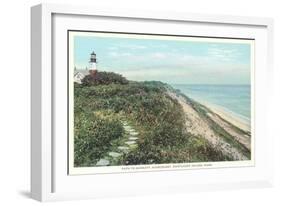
<point x="156" y="123"/>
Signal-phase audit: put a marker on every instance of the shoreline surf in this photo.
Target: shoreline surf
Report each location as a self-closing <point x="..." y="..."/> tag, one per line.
<point x="213" y="96"/>
<point x="230" y="116"/>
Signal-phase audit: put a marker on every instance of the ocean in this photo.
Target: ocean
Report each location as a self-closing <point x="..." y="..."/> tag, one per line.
<point x="235" y="99"/>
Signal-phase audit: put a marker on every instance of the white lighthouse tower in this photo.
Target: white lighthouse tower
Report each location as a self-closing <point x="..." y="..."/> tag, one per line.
<point x="93" y="61"/>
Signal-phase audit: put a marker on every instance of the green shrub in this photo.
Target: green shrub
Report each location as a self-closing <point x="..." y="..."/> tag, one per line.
<point x="104" y="78"/>
<point x="93" y="136"/>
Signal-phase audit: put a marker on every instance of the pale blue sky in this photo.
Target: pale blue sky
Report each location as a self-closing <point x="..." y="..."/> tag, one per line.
<point x="170" y="61"/>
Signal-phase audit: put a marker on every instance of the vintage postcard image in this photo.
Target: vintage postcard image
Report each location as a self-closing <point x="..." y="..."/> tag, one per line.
<point x="145" y="102"/>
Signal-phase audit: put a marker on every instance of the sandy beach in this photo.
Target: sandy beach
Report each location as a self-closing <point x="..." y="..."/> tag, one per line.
<point x="228" y="116"/>
<point x="198" y="125"/>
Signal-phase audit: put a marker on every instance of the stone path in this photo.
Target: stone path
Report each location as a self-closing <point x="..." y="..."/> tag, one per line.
<point x="123" y="146"/>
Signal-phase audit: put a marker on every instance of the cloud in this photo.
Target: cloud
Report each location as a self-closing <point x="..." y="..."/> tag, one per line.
<point x="163" y="60"/>
<point x="216" y="60"/>
<point x="127" y="46"/>
<point x="223" y="54"/>
<point x="188" y="74"/>
<point x="159" y="55"/>
<point x="113" y="48"/>
<point x="116" y="54"/>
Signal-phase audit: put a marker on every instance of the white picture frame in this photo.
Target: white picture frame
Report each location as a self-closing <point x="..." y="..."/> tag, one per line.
<point x="49" y="178"/>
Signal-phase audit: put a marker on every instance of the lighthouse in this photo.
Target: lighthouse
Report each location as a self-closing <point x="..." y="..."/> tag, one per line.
<point x="93" y="61"/>
<point x="93" y="65"/>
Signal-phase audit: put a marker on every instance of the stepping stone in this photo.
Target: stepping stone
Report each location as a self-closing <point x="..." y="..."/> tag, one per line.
<point x="133" y="138"/>
<point x="134" y="133"/>
<point x="114" y="154"/>
<point x="103" y="162"/>
<point x="133" y="146"/>
<point x="127" y="127"/>
<point x="130" y="142"/>
<point x="123" y="148"/>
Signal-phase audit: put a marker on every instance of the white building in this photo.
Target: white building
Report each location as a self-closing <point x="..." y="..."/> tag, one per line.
<point x="78" y="76"/>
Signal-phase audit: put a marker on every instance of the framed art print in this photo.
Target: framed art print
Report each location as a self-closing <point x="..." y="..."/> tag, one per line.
<point x="137" y="103"/>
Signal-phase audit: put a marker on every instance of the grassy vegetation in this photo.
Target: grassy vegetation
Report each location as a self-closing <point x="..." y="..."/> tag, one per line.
<point x="93" y="136"/>
<point x="101" y="105"/>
